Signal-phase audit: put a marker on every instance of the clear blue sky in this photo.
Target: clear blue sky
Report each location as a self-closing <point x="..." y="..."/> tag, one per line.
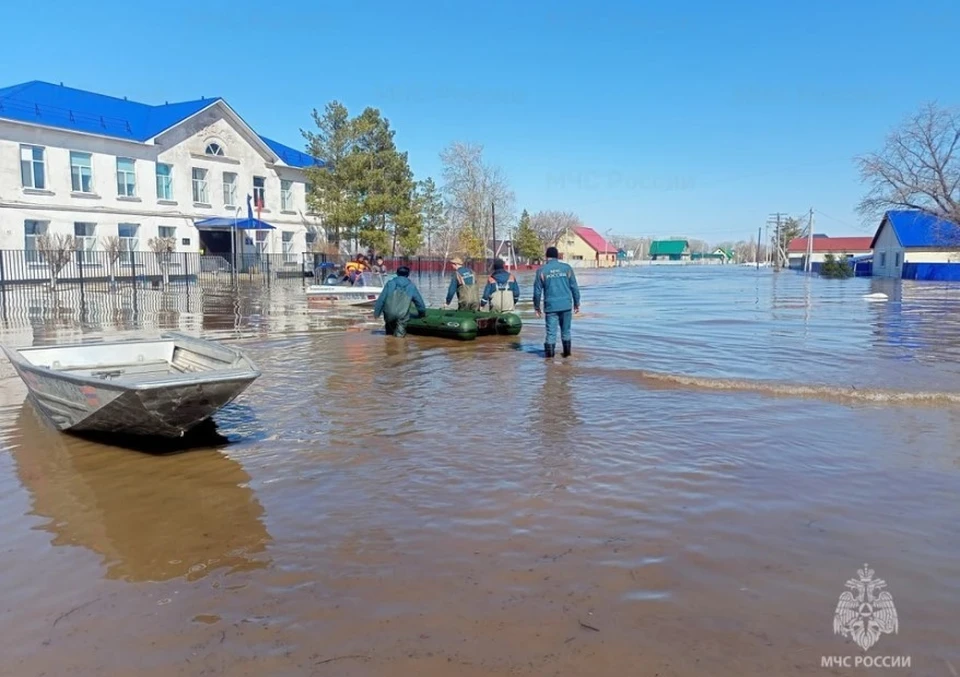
<point x="692" y="118"/>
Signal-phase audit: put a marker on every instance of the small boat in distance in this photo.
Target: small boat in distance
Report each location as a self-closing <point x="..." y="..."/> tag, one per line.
<point x="163" y="387"/>
<point x="363" y="294"/>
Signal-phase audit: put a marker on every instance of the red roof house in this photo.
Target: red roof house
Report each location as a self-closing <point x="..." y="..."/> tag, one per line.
<point x="831" y="245"/>
<point x="587" y="246"/>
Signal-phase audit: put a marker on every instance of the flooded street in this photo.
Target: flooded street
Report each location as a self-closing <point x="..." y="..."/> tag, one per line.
<point x="687" y="495"/>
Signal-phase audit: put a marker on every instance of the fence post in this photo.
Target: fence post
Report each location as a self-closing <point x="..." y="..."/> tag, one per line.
<point x="3" y="285"/>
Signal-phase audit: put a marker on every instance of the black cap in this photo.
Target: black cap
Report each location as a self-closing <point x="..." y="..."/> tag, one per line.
<point x="498" y="264"/>
<point x="403" y="271"/>
<point x="552" y="253"/>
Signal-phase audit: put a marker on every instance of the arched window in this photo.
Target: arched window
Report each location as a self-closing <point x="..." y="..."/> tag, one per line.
<point x="214" y="148"/>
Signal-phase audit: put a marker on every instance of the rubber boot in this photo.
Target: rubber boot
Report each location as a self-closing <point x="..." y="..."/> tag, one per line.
<point x="566" y="348"/>
<point x="549" y="349"/>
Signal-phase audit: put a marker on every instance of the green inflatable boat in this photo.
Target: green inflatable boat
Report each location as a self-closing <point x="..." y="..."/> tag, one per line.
<point x="464" y="325"/>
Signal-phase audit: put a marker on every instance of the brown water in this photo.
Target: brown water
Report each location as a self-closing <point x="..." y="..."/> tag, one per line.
<point x="686" y="496"/>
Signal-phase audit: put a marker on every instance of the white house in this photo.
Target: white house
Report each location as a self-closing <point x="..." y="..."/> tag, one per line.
<point x="95" y="166"/>
<point x="823" y="245"/>
<point x="915" y="245"/>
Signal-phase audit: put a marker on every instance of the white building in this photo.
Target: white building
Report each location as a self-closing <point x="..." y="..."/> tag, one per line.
<point x="914" y="245"/>
<point x="94" y="166"/>
<point x="839" y="247"/>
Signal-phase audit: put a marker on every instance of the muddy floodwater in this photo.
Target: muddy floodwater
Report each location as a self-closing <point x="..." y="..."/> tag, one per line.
<point x="687" y="495"/>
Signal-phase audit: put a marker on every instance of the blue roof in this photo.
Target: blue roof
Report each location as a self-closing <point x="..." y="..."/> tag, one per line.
<point x="62" y="107"/>
<point x="915" y="228"/>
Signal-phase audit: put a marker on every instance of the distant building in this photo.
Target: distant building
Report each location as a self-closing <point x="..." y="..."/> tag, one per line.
<point x="92" y="166"/>
<point x="717" y="256"/>
<point x="585" y="247"/>
<point x="670" y="250"/>
<point x="840" y="247"/>
<point x="914" y="245"/>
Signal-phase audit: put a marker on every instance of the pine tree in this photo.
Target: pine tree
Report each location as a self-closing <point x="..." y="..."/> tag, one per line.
<point x="525" y="240"/>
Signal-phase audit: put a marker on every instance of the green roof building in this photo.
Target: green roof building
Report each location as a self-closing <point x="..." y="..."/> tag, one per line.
<point x="670" y="250"/>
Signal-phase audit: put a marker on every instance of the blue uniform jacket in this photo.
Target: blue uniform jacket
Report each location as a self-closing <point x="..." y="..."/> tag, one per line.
<point x="468" y="278"/>
<point x="556" y="283"/>
<point x="405" y="284"/>
<point x="501" y="276"/>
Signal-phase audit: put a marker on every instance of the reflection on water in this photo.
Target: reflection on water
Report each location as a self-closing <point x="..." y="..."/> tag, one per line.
<point x="724" y="445"/>
<point x="150" y="518"/>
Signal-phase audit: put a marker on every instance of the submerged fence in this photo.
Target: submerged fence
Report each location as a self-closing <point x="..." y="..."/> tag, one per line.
<point x="26" y="271"/>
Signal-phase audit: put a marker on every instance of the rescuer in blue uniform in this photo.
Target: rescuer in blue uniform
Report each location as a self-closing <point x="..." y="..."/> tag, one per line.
<point x="464" y="285"/>
<point x="501" y="279"/>
<point x="556" y="284"/>
<point x="395" y="301"/>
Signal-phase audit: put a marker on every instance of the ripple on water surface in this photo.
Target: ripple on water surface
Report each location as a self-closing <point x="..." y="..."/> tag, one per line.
<point x="724" y="445"/>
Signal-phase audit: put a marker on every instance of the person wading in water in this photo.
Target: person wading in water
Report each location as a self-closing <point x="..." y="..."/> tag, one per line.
<point x="394" y="303"/>
<point x="556" y="284"/>
<point x="464" y="285"/>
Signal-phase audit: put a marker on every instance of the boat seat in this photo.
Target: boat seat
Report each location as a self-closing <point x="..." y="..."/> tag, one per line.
<point x="108" y="372"/>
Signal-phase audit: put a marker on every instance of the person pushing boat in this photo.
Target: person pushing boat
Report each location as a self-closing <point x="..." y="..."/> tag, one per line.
<point x="556" y="284"/>
<point x="463" y="285"/>
<point x="394" y="303"/>
<point x="502" y="291"/>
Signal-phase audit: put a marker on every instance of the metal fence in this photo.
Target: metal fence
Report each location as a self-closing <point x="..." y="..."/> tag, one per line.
<point x="25" y="270"/>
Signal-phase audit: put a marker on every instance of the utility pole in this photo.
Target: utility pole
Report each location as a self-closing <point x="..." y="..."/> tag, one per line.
<point x="758" y="248"/>
<point x="493" y="222"/>
<point x="775" y="219"/>
<point x="809" y="266"/>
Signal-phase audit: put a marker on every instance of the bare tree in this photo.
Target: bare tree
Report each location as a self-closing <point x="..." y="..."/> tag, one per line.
<point x="114" y="248"/>
<point x="473" y="190"/>
<point x="918" y="167"/>
<point x="551" y="225"/>
<point x="56" y="250"/>
<point x="163" y="247"/>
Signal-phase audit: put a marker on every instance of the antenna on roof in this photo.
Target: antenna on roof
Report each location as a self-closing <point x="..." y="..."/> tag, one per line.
<point x="61" y="84"/>
<point x="124" y="98"/>
<point x="201" y="98"/>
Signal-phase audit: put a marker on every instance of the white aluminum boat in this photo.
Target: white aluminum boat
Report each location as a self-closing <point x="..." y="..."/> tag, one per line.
<point x="163" y="387"/>
<point x="363" y="294"/>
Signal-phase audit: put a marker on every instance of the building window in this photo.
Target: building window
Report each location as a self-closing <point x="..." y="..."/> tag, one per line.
<point x="286" y="195"/>
<point x="31" y="167"/>
<point x="126" y="177"/>
<point x="214" y="149"/>
<point x="288" y="254"/>
<point x="31" y="231"/>
<point x="229" y="189"/>
<point x="129" y="234"/>
<point x="259" y="191"/>
<point x="164" y="182"/>
<point x="883" y="259"/>
<point x="86" y="235"/>
<point x="168" y="233"/>
<point x="200" y="186"/>
<point x="81" y="172"/>
<point x="896" y="259"/>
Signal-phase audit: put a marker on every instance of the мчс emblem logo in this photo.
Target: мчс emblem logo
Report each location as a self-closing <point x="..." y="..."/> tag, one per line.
<point x="866" y="612"/>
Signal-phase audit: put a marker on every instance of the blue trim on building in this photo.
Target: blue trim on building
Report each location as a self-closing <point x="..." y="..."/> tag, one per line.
<point x="947" y="272"/>
<point x="43" y="103"/>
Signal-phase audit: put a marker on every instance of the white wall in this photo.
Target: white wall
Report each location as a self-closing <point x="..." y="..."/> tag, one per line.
<point x="887" y="253"/>
<point x="183" y="147"/>
<point x="932" y="256"/>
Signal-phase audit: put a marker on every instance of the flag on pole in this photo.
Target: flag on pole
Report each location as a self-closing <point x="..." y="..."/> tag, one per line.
<point x="249" y="208"/>
<point x="259" y="206"/>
